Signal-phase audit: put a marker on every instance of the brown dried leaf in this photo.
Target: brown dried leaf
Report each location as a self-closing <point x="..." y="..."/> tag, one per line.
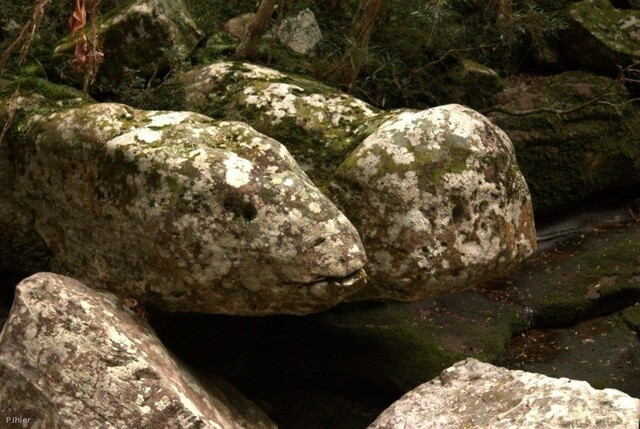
<point x="78" y="18"/>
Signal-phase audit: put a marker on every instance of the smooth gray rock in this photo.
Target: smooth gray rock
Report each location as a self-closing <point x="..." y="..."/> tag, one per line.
<point x="74" y="357"/>
<point x="479" y="395"/>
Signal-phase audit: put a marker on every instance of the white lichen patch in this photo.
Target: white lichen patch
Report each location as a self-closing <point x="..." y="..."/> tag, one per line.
<point x="238" y="170"/>
<point x="317" y="124"/>
<point x="163" y="119"/>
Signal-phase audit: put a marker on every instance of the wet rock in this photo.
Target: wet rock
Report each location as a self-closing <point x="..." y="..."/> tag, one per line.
<point x="145" y="39"/>
<point x="566" y="158"/>
<point x="602" y="38"/>
<point x="318" y="125"/>
<point x="475" y="394"/>
<point x="439" y="201"/>
<point x="300" y="33"/>
<point x="182" y="212"/>
<point x="73" y="357"/>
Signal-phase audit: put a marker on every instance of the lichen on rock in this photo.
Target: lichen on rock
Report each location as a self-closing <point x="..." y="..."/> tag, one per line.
<point x="182" y="212"/>
<point x="317" y="124"/>
<point x="479" y="395"/>
<point x="601" y="37"/>
<point x="439" y="201"/>
<point x="74" y="357"/>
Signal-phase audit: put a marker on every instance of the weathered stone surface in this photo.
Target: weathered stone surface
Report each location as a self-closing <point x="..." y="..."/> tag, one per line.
<point x="602" y="38"/>
<point x="479" y="395"/>
<point x="318" y="125"/>
<point x="301" y="32"/>
<point x="145" y="39"/>
<point x="182" y="212"/>
<point x="74" y="357"/>
<point x="439" y="201"/>
<point x="566" y="158"/>
<point x="22" y="250"/>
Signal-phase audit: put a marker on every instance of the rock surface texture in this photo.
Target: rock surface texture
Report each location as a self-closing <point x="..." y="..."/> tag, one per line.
<point x="182" y="212"/>
<point x="301" y="32"/>
<point x="74" y="357"/>
<point x="479" y="395"/>
<point x="566" y="158"/>
<point x="600" y="37"/>
<point x="439" y="201"/>
<point x="318" y="125"/>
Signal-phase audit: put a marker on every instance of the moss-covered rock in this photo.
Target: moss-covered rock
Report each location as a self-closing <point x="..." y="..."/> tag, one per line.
<point x="180" y="211"/>
<point x="439" y="201"/>
<point x="317" y="124"/>
<point x="600" y="37"/>
<point x="567" y="157"/>
<point x="145" y="39"/>
<point x="364" y="352"/>
<point x="631" y="317"/>
<point x="22" y="249"/>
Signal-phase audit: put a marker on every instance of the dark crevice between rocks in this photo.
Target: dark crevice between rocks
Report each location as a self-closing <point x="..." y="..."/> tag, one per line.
<point x="8" y="282"/>
<point x="288" y="364"/>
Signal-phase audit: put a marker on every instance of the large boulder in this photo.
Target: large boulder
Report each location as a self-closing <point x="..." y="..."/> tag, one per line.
<point x="568" y="157"/>
<point x="73" y="357"/>
<point x="181" y="212"/>
<point x="145" y="39"/>
<point x="439" y="201"/>
<point x="600" y="37"/>
<point x="479" y="395"/>
<point x="319" y="125"/>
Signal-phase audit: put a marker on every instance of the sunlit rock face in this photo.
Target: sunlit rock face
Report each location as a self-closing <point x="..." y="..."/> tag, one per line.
<point x="479" y="395"/>
<point x="72" y="357"/>
<point x="182" y="212"/>
<point x="439" y="201"/>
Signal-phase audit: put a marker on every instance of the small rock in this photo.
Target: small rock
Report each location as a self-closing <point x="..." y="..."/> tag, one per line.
<point x="300" y="33"/>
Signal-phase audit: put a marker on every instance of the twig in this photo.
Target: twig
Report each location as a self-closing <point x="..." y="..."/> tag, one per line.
<point x="25" y="38"/>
